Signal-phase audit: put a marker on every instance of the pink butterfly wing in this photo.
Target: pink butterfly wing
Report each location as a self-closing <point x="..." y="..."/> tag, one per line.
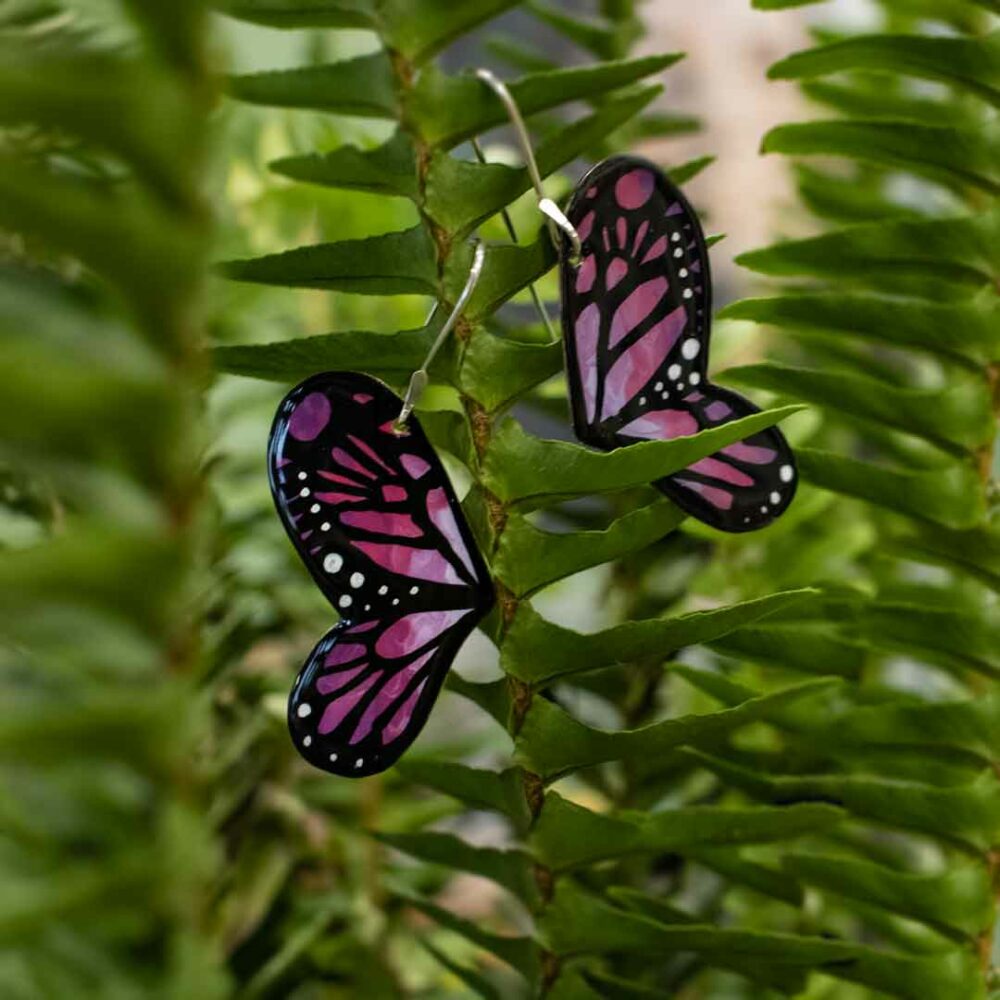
<point x="366" y="690"/>
<point x="636" y="315"/>
<point x="374" y="518"/>
<point x="744" y="486"/>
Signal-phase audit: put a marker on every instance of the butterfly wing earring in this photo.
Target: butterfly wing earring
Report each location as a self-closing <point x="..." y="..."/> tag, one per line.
<point x="637" y="303"/>
<point x="370" y="511"/>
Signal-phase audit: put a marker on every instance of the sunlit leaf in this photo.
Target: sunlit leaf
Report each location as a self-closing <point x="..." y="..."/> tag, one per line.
<point x="957" y="158"/>
<point x="966" y="815"/>
<point x="960" y="416"/>
<point x="419" y="28"/>
<point x="963" y="250"/>
<point x="551" y="742"/>
<point x="302" y="13"/>
<point x="393" y="264"/>
<point x="389" y="169"/>
<point x="518" y="952"/>
<point x="529" y="558"/>
<point x="390" y="356"/>
<point x="967" y="332"/>
<point x="579" y="922"/>
<point x="968" y="63"/>
<point x="959" y="900"/>
<point x="462" y="193"/>
<point x="518" y="467"/>
<point x="359" y="86"/>
<point x="496" y="370"/>
<point x="450" y="109"/>
<point x="538" y="650"/>
<point x="568" y="835"/>
<point x="512" y="869"/>
<point x="497" y="790"/>
<point x="949" y="496"/>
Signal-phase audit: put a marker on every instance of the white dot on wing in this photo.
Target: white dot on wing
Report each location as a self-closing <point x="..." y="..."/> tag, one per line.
<point x="787" y="473"/>
<point x="395" y="601"/>
<point x="383" y="590"/>
<point x="359" y="762"/>
<point x="314" y="509"/>
<point x="690" y="348"/>
<point x="658" y="387"/>
<point x="763" y="510"/>
<point x="414" y="591"/>
<point x="304" y="492"/>
<point x="346" y="601"/>
<point x="357" y="579"/>
<point x="333" y="562"/>
<point x="676" y="237"/>
<point x="678" y="252"/>
<point x="695" y="378"/>
<point x="304" y="709"/>
<point x="307" y="741"/>
<point x="674" y="372"/>
<point x="302" y="475"/>
<point x="688" y="294"/>
<point x="325" y="526"/>
<point x="775" y="497"/>
<point x="333" y="758"/>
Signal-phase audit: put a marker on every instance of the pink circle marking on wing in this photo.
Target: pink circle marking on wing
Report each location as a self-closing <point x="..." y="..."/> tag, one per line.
<point x="309" y="417"/>
<point x="634" y="189"/>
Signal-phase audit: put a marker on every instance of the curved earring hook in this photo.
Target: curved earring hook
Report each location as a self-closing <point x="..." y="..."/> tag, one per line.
<point x="556" y="219"/>
<point x="557" y="222"/>
<point x="420" y="378"/>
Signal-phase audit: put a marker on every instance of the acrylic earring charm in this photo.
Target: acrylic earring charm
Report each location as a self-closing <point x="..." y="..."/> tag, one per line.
<point x="369" y="509"/>
<point x="637" y="305"/>
<point x="636" y="308"/>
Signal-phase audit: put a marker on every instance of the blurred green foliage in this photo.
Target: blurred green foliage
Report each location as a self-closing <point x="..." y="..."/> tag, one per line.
<point x="676" y="763"/>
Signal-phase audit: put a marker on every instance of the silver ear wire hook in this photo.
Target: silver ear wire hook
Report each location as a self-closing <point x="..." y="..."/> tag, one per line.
<point x="555" y="214"/>
<point x="556" y="218"/>
<point x="420" y="378"/>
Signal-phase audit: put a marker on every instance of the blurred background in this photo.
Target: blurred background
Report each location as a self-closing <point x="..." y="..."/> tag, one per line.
<point x="160" y="836"/>
<point x="720" y="94"/>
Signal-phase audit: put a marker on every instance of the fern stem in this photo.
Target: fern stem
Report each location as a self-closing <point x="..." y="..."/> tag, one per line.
<point x="480" y="425"/>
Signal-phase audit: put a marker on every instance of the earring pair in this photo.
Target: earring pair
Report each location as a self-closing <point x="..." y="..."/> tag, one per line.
<point x="369" y="508"/>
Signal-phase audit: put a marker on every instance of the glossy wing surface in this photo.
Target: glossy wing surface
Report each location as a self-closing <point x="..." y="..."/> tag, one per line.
<point x="636" y="323"/>
<point x="374" y="518"/>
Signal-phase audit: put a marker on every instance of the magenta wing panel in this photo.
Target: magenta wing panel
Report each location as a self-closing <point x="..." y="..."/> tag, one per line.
<point x="636" y="324"/>
<point x="375" y="520"/>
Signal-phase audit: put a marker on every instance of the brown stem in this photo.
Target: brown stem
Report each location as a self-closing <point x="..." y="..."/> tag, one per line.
<point x="481" y="430"/>
<point x="984" y="456"/>
<point x="985" y="464"/>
